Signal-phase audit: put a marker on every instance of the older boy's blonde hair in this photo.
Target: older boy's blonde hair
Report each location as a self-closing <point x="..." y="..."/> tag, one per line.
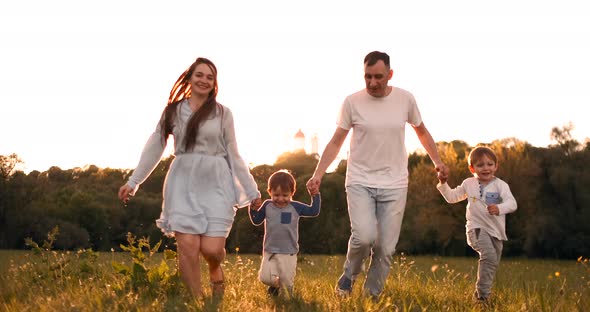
<point x="479" y="152"/>
<point x="283" y="179"/>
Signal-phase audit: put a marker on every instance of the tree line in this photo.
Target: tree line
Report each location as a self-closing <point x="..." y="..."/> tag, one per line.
<point x="551" y="186"/>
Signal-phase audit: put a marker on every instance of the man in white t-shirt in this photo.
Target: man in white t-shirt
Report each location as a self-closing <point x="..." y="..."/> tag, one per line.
<point x="377" y="170"/>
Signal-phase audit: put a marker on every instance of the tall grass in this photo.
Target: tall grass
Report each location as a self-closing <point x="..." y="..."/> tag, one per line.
<point x="48" y="280"/>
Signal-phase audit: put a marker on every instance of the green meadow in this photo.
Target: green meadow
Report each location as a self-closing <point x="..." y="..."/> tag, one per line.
<point x="141" y="279"/>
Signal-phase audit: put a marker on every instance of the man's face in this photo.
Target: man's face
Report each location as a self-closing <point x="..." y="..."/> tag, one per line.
<point x="376" y="77"/>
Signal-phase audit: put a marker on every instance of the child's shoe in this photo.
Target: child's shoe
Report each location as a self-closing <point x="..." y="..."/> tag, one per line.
<point x="344" y="286"/>
<point x="273" y="291"/>
<point x="481" y="301"/>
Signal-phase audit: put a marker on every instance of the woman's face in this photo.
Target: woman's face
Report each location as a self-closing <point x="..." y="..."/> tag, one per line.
<point x="202" y="80"/>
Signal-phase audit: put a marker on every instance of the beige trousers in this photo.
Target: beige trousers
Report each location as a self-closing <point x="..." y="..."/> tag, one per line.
<point x="278" y="270"/>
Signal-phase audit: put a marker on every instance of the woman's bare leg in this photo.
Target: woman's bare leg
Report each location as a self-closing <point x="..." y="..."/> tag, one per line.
<point x="213" y="250"/>
<point x="189" y="262"/>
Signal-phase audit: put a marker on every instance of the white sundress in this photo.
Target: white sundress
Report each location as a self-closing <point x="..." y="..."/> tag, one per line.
<point x="205" y="185"/>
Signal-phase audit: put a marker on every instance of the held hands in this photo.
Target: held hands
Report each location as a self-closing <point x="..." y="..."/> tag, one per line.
<point x="494" y="210"/>
<point x="313" y="185"/>
<point x="442" y="172"/>
<point x="256" y="203"/>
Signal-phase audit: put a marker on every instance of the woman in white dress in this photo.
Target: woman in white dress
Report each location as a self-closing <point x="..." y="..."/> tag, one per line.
<point x="207" y="180"/>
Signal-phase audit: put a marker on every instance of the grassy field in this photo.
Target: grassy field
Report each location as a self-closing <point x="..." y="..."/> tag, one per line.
<point x="139" y="280"/>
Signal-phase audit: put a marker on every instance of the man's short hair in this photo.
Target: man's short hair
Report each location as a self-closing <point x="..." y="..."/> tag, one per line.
<point x="372" y="58"/>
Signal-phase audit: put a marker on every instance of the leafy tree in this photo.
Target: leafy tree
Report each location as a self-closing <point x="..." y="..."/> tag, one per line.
<point x="430" y="224"/>
<point x="261" y="174"/>
<point x="550" y="186"/>
<point x="329" y="232"/>
<point x="341" y="168"/>
<point x="567" y="206"/>
<point x="8" y="171"/>
<point x="8" y="165"/>
<point x="564" y="139"/>
<point x="298" y="162"/>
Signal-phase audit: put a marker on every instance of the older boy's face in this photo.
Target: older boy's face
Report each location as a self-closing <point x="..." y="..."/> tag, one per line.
<point x="376" y="78"/>
<point x="280" y="198"/>
<point x="484" y="169"/>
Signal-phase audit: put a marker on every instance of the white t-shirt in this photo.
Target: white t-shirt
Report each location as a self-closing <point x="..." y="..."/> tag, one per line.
<point x="378" y="156"/>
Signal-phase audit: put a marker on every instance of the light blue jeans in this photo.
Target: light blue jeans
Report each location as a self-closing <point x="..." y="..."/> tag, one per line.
<point x="375" y="219"/>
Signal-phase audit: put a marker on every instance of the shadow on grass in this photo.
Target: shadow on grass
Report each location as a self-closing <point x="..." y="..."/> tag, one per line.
<point x="296" y="303"/>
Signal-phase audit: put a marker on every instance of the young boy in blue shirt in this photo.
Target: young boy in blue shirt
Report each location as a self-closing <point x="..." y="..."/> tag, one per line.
<point x="280" y="215"/>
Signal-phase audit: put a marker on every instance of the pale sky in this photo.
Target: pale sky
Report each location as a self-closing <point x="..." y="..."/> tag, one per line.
<point x="85" y="82"/>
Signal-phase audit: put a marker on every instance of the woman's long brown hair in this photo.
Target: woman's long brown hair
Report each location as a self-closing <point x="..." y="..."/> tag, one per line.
<point x="182" y="90"/>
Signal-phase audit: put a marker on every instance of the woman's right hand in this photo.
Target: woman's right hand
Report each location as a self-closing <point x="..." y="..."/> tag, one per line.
<point x="124" y="192"/>
<point x="256" y="203"/>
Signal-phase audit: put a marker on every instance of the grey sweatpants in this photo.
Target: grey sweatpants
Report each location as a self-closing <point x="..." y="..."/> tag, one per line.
<point x="490" y="251"/>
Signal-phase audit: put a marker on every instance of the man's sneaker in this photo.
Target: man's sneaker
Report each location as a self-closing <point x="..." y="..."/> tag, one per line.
<point x="344" y="286"/>
<point x="273" y="291"/>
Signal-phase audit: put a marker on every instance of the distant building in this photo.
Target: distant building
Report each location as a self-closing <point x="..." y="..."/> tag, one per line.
<point x="299" y="141"/>
<point x="314" y="144"/>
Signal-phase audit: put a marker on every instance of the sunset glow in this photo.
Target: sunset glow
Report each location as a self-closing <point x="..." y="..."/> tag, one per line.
<point x="85" y="83"/>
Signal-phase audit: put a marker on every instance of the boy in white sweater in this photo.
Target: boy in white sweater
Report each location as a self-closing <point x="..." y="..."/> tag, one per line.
<point x="489" y="200"/>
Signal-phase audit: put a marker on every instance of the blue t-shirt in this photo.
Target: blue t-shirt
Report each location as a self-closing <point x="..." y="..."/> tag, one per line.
<point x="281" y="225"/>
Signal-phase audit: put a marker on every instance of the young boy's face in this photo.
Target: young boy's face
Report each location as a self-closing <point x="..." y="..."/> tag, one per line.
<point x="280" y="198"/>
<point x="484" y="169"/>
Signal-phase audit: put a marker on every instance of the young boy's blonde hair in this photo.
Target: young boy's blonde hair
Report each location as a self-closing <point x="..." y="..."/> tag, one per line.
<point x="282" y="179"/>
<point x="479" y="152"/>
